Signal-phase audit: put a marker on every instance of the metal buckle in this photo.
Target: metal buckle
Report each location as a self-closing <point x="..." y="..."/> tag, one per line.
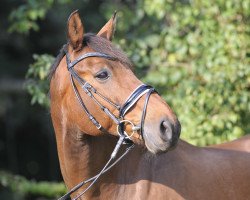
<point x="95" y="122"/>
<point x="134" y="128"/>
<point x="87" y="88"/>
<point x="98" y="126"/>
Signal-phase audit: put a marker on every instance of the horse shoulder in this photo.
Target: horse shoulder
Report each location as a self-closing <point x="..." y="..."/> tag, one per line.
<point x="187" y="172"/>
<point x="198" y="173"/>
<point x="231" y="169"/>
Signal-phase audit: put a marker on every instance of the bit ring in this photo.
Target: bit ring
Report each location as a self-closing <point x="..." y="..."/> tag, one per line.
<point x="134" y="128"/>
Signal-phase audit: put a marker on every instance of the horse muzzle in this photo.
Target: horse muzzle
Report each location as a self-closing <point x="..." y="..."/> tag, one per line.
<point x="162" y="138"/>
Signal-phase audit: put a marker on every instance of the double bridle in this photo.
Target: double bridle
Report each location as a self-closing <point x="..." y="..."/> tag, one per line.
<point x="124" y="138"/>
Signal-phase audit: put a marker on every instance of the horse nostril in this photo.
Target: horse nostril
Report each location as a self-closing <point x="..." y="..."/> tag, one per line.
<point x="166" y="130"/>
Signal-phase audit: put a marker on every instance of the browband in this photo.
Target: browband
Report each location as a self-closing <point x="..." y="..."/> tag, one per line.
<point x="86" y="55"/>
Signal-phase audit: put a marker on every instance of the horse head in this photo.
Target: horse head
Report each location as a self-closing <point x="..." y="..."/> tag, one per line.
<point x="94" y="75"/>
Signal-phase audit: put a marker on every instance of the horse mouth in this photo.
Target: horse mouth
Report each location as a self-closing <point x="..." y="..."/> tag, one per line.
<point x="157" y="148"/>
<point x="137" y="139"/>
<point x="153" y="146"/>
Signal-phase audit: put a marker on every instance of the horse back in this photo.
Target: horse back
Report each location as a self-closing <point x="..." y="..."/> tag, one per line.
<point x="241" y="144"/>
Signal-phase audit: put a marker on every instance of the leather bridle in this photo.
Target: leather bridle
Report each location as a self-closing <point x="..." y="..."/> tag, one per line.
<point x="125" y="138"/>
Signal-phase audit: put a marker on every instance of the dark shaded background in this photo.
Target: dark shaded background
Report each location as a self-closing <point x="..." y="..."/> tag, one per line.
<point x="27" y="142"/>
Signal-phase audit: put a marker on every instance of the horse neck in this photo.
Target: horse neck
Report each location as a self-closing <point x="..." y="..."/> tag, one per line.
<point x="81" y="156"/>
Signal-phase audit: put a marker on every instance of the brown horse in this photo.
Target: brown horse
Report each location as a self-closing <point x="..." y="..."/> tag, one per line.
<point x="84" y="146"/>
<point x="241" y="144"/>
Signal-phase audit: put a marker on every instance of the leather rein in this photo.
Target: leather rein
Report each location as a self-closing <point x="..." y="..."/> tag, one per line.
<point x="124" y="138"/>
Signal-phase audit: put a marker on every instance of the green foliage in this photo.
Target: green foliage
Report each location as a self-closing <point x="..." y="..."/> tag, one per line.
<point x="37" y="83"/>
<point x="197" y="54"/>
<point x="24" y="187"/>
<point x="25" y="18"/>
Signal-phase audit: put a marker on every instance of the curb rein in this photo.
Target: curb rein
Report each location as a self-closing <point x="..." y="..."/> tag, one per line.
<point x="119" y="121"/>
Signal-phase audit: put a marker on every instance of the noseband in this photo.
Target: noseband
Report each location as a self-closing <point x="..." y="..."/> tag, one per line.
<point x="119" y="121"/>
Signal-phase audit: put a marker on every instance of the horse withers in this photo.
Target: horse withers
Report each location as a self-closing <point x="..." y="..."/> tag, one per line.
<point x="96" y="99"/>
<point x="241" y="144"/>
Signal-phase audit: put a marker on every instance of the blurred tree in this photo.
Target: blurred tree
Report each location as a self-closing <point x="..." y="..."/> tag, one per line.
<point x="199" y="52"/>
<point x="37" y="84"/>
<point x="23" y="187"/>
<point x="25" y="17"/>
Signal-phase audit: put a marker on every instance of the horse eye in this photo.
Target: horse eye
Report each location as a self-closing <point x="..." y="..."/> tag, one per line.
<point x="103" y="75"/>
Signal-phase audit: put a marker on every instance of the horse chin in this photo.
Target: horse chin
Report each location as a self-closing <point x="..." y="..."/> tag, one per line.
<point x="138" y="141"/>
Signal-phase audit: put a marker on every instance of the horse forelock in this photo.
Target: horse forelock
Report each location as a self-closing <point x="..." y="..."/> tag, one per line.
<point x="98" y="44"/>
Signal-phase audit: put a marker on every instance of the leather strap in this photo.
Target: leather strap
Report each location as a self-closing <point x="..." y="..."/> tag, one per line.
<point x="87" y="55"/>
<point x="133" y="98"/>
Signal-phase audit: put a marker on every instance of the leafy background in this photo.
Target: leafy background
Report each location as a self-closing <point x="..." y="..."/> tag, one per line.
<point x="196" y="53"/>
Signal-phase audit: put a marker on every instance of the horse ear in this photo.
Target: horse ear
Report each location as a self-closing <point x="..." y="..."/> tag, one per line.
<point x="108" y="29"/>
<point x="75" y="31"/>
